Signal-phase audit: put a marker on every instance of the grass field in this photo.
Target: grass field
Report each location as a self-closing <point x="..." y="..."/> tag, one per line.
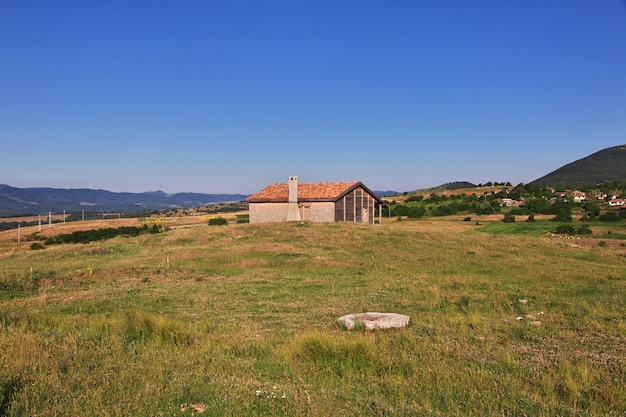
<point x="239" y="320"/>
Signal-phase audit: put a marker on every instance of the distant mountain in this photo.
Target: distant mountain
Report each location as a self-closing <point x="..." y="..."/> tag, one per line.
<point x="386" y="193"/>
<point x="457" y="185"/>
<point x="31" y="201"/>
<point x="606" y="165"/>
<point x="450" y="186"/>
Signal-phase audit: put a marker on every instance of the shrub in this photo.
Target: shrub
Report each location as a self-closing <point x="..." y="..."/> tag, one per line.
<point x="218" y="221"/>
<point x="414" y="212"/>
<point x="610" y="216"/>
<point x="86" y="236"/>
<point x="564" y="230"/>
<point x="36" y="246"/>
<point x="562" y="215"/>
<point x="414" y="198"/>
<point x="508" y="218"/>
<point x="519" y="211"/>
<point x="571" y="230"/>
<point x="467" y="219"/>
<point x="530" y="219"/>
<point x="483" y="209"/>
<point x="443" y="210"/>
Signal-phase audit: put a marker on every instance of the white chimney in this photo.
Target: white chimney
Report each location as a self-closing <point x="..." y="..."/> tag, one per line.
<point x="293" y="213"/>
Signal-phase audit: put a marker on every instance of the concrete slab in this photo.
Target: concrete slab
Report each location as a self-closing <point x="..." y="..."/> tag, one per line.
<point x="373" y="321"/>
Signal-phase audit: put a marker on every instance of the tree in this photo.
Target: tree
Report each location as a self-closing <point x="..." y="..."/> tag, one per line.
<point x="562" y="216"/>
<point x="414" y="198"/>
<point x="611" y="216"/>
<point x="537" y="205"/>
<point x="508" y="218"/>
<point x="413" y="212"/>
<point x="592" y="209"/>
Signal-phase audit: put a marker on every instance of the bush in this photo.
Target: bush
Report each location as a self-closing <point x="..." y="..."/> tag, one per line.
<point x="563" y="215"/>
<point x="564" y="230"/>
<point x="571" y="230"/>
<point x="610" y="216"/>
<point x="414" y="198"/>
<point x="218" y="221"/>
<point x="467" y="219"/>
<point x="530" y="219"/>
<point x="36" y="246"/>
<point x="519" y="211"/>
<point x="443" y="210"/>
<point x="483" y="208"/>
<point x="508" y="218"/>
<point x="86" y="236"/>
<point x="243" y="218"/>
<point x="413" y="212"/>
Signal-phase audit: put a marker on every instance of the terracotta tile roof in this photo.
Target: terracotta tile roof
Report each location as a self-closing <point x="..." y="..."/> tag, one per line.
<point x="323" y="191"/>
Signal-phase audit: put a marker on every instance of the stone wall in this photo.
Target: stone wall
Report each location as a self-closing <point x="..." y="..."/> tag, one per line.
<point x="277" y="212"/>
<point x="319" y="212"/>
<point x="268" y="212"/>
<point x="355" y="207"/>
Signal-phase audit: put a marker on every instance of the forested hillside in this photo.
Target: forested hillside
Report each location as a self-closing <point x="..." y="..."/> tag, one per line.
<point x="606" y="165"/>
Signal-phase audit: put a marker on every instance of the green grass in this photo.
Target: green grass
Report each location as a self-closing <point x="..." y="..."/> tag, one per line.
<point x="519" y="228"/>
<point x="241" y="319"/>
<point x="539" y="228"/>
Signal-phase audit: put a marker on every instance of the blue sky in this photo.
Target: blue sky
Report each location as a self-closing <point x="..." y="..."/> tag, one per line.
<point x="230" y="96"/>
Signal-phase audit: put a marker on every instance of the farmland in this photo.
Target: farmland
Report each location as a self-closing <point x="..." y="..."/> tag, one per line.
<point x="240" y="320"/>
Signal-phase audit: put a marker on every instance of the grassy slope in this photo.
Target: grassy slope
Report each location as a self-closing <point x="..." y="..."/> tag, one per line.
<point x="519" y="229"/>
<point x="241" y="319"/>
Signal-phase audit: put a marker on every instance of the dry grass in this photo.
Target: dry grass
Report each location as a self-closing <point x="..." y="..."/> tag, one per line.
<point x="241" y="320"/>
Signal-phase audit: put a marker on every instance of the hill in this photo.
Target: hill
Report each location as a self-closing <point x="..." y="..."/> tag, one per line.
<point x="31" y="201"/>
<point x="606" y="165"/>
<point x="450" y="186"/>
<point x="387" y="193"/>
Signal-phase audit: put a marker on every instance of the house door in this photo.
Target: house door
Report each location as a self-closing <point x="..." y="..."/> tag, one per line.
<point x="365" y="216"/>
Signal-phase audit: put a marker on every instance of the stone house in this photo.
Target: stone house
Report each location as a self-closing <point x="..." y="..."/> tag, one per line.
<point x="320" y="202"/>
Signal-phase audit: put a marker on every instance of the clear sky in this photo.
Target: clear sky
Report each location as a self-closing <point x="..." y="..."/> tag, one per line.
<point x="230" y="96"/>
